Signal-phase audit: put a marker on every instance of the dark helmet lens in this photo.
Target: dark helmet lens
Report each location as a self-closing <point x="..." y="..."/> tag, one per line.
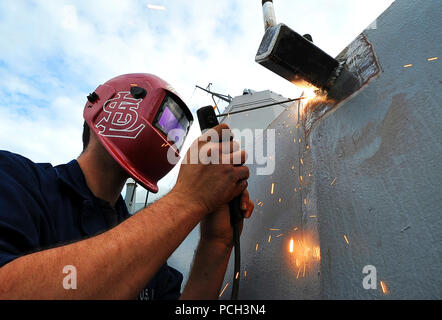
<point x="173" y="122"/>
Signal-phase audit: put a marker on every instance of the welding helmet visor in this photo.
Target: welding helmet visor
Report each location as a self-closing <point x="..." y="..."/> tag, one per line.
<point x="174" y="120"/>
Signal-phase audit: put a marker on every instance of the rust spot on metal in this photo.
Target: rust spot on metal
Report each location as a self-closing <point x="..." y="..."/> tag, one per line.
<point x="359" y="59"/>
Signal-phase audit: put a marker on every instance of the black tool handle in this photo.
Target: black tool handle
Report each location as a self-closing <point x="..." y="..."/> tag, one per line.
<point x="207" y="120"/>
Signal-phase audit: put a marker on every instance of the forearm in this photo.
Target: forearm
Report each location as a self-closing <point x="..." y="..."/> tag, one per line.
<point x="208" y="270"/>
<point x="114" y="265"/>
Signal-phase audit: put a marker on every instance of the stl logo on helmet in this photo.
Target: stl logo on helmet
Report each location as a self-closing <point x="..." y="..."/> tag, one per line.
<point x="121" y="119"/>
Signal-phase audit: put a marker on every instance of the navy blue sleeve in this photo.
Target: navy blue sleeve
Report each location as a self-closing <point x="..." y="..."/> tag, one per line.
<point x="170" y="284"/>
<point x="165" y="285"/>
<point x="20" y="208"/>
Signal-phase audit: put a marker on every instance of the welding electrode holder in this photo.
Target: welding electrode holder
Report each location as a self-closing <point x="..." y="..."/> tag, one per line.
<point x="207" y="119"/>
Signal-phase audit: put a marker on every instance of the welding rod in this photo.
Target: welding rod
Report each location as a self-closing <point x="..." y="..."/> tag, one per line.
<point x="260" y="107"/>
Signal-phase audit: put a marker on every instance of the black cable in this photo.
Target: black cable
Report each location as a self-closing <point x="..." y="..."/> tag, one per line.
<point x="208" y="119"/>
<point x="236" y="217"/>
<point x="237" y="268"/>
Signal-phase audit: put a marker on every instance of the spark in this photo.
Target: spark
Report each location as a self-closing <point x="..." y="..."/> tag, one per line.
<point x="294" y="140"/>
<point x="432" y="59"/>
<point x="313" y="216"/>
<point x="299" y="140"/>
<point x="317" y="253"/>
<point x="237" y="275"/>
<point x="291" y="246"/>
<point x="306" y="251"/>
<point x="303" y="274"/>
<point x="270" y="238"/>
<point x="293" y="167"/>
<point x="295" y="228"/>
<point x="309" y="174"/>
<point x="257" y="246"/>
<point x="296" y="190"/>
<point x="245" y="273"/>
<point x="408" y="65"/>
<point x="346" y="239"/>
<point x="280" y="200"/>
<point x="225" y="287"/>
<point x="333" y="182"/>
<point x="280" y="235"/>
<point x="297" y="262"/>
<point x="308" y="94"/>
<point x="274" y="229"/>
<point x="273" y="189"/>
<point x="291" y="131"/>
<point x="299" y="270"/>
<point x="307" y="147"/>
<point x="300" y="178"/>
<point x="215" y="107"/>
<point x="384" y="287"/>
<point x="305" y="201"/>
<point x="260" y="204"/>
<point x="302" y="161"/>
<point x="156" y="7"/>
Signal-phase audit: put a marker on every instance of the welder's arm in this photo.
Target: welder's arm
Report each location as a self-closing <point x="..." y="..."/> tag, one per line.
<point x="116" y="264"/>
<point x="213" y="253"/>
<point x="119" y="263"/>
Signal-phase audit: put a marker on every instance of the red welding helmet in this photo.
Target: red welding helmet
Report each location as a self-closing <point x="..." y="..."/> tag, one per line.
<point x="132" y="115"/>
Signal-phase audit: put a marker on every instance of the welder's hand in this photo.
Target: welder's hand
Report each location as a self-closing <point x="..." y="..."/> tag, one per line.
<point x="209" y="184"/>
<point x="216" y="227"/>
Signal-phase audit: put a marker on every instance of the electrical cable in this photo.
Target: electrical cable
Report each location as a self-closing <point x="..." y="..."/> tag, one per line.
<point x="236" y="218"/>
<point x="237" y="267"/>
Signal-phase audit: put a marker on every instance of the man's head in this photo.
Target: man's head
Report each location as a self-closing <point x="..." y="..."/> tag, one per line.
<point x="132" y="116"/>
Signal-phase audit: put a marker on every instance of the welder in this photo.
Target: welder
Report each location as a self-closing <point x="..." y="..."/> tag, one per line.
<point x="73" y="217"/>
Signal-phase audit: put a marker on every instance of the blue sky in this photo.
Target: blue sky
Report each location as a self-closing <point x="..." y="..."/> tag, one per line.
<point x="53" y="53"/>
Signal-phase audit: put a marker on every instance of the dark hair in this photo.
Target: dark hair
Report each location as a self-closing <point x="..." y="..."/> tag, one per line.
<point x="86" y="135"/>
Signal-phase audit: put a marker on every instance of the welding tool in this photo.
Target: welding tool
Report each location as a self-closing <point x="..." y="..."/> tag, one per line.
<point x="298" y="60"/>
<point x="207" y="120"/>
